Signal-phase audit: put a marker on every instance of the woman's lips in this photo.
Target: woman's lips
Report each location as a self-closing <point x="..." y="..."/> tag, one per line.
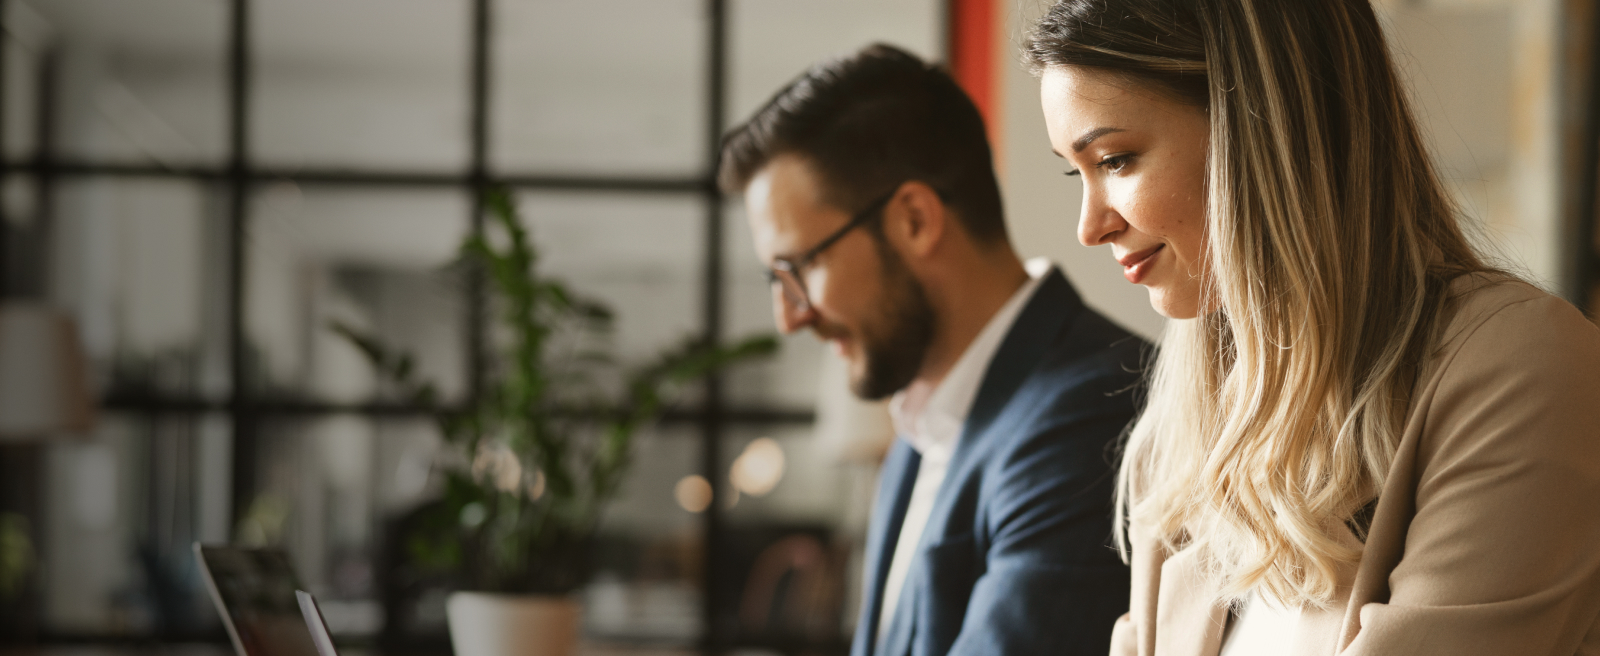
<point x="1136" y="266"/>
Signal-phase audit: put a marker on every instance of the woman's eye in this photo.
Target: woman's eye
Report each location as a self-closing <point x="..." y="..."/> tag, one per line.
<point x="1114" y="163"/>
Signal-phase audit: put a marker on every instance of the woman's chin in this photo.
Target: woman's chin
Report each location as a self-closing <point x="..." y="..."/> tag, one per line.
<point x="1173" y="306"/>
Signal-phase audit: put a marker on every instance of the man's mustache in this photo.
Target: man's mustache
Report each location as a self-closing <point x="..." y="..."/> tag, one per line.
<point x="829" y="331"/>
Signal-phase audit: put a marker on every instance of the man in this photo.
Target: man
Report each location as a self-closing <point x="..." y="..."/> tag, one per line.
<point x="871" y="196"/>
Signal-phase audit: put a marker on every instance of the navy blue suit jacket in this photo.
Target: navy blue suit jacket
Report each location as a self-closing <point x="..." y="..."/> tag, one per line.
<point x="1016" y="556"/>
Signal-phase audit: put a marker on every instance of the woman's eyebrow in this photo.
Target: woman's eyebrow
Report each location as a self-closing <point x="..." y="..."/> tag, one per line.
<point x="1089" y="137"/>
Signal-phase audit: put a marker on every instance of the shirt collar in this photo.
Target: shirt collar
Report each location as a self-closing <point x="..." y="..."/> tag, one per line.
<point x="932" y="425"/>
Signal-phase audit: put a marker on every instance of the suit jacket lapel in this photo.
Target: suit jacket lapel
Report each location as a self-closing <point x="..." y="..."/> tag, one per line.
<point x="1053" y="304"/>
<point x="1033" y="332"/>
<point x="895" y="481"/>
<point x="897" y="636"/>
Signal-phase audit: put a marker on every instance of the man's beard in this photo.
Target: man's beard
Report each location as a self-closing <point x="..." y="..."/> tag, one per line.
<point x="895" y="342"/>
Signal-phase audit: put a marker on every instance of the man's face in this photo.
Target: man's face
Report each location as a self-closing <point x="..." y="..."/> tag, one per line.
<point x="864" y="301"/>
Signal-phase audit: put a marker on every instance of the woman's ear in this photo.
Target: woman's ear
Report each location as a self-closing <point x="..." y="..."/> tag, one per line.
<point x="916" y="220"/>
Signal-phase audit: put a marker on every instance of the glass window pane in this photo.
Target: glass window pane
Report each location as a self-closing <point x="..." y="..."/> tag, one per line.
<point x="598" y="87"/>
<point x="22" y="51"/>
<point x="141" y="81"/>
<point x="121" y="509"/>
<point x="336" y="491"/>
<point x="639" y="253"/>
<point x="19" y="200"/>
<point x="772" y="41"/>
<point x="811" y="482"/>
<point x="22" y="260"/>
<point x="140" y="262"/>
<point x="374" y="260"/>
<point x="800" y="514"/>
<point x="649" y="558"/>
<point x="331" y="489"/>
<point x="361" y="83"/>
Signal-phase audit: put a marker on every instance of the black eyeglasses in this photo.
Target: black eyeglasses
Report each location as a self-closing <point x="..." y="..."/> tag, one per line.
<point x="785" y="272"/>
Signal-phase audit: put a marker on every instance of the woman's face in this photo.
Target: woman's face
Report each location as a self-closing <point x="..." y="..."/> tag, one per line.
<point x="1142" y="159"/>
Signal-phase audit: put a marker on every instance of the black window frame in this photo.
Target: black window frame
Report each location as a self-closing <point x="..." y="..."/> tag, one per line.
<point x="239" y="176"/>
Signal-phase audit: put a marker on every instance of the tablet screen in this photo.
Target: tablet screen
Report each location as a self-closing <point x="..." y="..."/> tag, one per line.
<point x="254" y="592"/>
<point x="319" y="628"/>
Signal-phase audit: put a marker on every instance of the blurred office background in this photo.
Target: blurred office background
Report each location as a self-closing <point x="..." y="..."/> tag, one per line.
<point x="203" y="185"/>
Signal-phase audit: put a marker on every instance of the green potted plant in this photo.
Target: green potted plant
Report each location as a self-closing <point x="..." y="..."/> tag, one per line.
<point x="535" y="458"/>
<point x="16" y="555"/>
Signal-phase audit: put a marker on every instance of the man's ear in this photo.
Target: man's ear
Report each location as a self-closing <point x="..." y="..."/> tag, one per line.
<point x="916" y="219"/>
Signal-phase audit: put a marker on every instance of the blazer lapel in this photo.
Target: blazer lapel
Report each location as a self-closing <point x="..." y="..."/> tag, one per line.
<point x="1033" y="332"/>
<point x="1187" y="610"/>
<point x="897" y="636"/>
<point x="1054" y="303"/>
<point x="895" y="481"/>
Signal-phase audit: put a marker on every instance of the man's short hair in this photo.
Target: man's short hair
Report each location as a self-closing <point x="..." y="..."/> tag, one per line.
<point x="867" y="123"/>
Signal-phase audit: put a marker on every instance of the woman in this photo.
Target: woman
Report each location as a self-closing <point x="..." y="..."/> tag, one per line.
<point x="1360" y="438"/>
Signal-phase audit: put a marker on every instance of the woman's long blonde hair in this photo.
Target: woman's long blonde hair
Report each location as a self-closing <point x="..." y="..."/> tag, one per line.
<point x="1273" y="418"/>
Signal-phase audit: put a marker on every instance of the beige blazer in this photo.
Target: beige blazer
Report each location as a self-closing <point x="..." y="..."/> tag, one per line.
<point x="1486" y="536"/>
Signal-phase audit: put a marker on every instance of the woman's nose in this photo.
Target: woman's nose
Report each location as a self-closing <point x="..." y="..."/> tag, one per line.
<point x="1098" y="222"/>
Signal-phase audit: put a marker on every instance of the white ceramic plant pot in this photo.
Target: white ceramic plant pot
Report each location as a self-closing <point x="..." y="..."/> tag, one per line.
<point x="486" y="624"/>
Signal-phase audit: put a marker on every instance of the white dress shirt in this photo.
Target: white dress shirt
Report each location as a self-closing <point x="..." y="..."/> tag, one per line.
<point x="931" y="423"/>
<point x="1262" y="628"/>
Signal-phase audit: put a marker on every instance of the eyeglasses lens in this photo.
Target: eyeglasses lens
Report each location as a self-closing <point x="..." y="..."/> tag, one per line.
<point x="793" y="292"/>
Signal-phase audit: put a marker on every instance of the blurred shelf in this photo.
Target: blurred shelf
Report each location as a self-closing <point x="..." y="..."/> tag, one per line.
<point x="154" y="404"/>
<point x="369" y="177"/>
